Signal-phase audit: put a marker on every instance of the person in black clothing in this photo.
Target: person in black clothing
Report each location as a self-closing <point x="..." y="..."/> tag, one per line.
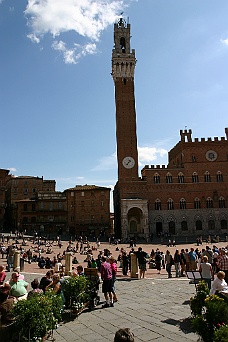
<point x="158" y="259"/>
<point x="125" y="263"/>
<point x="141" y="256"/>
<point x="45" y="281"/>
<point x="183" y="262"/>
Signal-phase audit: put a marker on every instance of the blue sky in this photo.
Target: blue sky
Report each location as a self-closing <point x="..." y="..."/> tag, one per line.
<point x="57" y="95"/>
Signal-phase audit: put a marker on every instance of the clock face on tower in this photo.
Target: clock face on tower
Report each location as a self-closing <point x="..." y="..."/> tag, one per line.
<point x="128" y="162"/>
<point x="211" y="155"/>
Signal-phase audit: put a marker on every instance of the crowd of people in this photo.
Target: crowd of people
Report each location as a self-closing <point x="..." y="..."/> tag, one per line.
<point x="211" y="261"/>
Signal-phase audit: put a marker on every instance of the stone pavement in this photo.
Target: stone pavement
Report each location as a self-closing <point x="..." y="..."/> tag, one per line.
<point x="155" y="309"/>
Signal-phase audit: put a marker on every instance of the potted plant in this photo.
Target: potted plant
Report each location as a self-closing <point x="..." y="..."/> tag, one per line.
<point x="210" y="315"/>
<point x="76" y="293"/>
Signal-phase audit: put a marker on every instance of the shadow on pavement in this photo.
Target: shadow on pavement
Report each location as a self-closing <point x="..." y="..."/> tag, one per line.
<point x="185" y="324"/>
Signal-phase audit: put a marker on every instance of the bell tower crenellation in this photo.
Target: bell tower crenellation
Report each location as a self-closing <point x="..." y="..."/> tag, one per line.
<point x="123" y="59"/>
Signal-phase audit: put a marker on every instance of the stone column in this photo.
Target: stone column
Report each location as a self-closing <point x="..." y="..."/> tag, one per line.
<point x="16" y="259"/>
<point x="68" y="264"/>
<point x="134" y="266"/>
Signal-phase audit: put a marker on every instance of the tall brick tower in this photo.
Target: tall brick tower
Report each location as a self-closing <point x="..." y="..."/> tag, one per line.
<point x="123" y="67"/>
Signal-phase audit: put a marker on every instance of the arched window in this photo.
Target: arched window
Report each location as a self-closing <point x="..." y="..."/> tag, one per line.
<point x="184" y="225"/>
<point x="209" y="202"/>
<point x="223" y="224"/>
<point x="180" y="178"/>
<point x="157" y="204"/>
<point x="170" y="204"/>
<point x="222" y="202"/>
<point x="199" y="225"/>
<point x="211" y="224"/>
<point x="197" y="204"/>
<point x="207" y="177"/>
<point x="169" y="178"/>
<point x="156" y="178"/>
<point x="195" y="178"/>
<point x="122" y="44"/>
<point x="182" y="203"/>
<point x="219" y="176"/>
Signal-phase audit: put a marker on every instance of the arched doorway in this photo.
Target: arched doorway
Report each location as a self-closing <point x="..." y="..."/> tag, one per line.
<point x="134" y="221"/>
<point x="172" y="228"/>
<point x="159" y="228"/>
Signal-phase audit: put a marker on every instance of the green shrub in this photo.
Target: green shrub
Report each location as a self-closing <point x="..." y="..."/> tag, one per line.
<point x="210" y="314"/>
<point x="221" y="334"/>
<point x="76" y="288"/>
<point x="197" y="302"/>
<point x="36" y="316"/>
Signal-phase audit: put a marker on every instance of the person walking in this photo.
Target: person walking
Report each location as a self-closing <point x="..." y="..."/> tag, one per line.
<point x="158" y="260"/>
<point x="125" y="263"/>
<point x="106" y="276"/>
<point x="141" y="256"/>
<point x="177" y="263"/>
<point x="169" y="263"/>
<point x="113" y="264"/>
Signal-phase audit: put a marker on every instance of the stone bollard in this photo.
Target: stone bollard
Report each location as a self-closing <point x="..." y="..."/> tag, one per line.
<point x="16" y="260"/>
<point x="134" y="266"/>
<point x="68" y="264"/>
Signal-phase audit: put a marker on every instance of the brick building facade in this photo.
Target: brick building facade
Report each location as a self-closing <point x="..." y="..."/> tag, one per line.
<point x="188" y="196"/>
<point x="32" y="204"/>
<point x="88" y="210"/>
<point x="23" y="188"/>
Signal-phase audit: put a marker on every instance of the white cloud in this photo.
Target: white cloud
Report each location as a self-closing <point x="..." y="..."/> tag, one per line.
<point x="150" y="154"/>
<point x="224" y="41"/>
<point x="72" y="56"/>
<point x="33" y="38"/>
<point x="86" y="18"/>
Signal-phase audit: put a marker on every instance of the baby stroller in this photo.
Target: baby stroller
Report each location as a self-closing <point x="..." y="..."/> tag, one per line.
<point x="92" y="275"/>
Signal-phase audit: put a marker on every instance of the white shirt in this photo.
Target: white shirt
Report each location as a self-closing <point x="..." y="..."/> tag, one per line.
<point x="219" y="285"/>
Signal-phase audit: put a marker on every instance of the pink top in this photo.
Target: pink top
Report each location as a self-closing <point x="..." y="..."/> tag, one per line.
<point x="2" y="276"/>
<point x="114" y="268"/>
<point x="21" y="276"/>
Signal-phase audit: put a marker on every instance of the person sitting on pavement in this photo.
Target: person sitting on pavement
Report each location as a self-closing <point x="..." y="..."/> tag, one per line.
<point x="58" y="267"/>
<point x="124" y="335"/>
<point x="219" y="285"/>
<point x="41" y="262"/>
<point x="19" y="287"/>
